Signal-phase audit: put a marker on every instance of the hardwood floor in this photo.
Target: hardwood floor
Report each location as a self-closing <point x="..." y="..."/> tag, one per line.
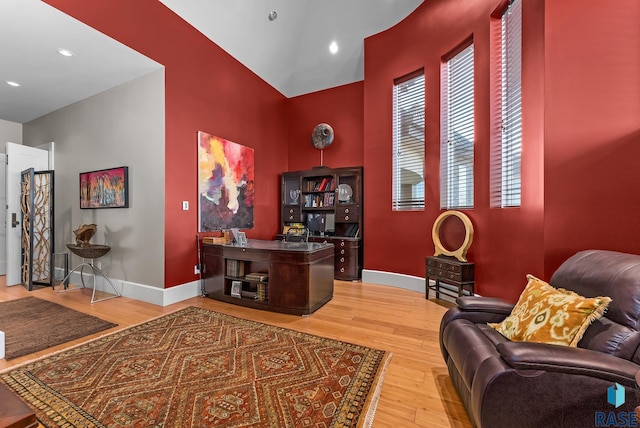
<point x="416" y="391"/>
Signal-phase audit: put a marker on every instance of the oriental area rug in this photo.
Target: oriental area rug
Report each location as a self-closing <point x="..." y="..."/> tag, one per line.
<point x="31" y="325"/>
<point x="199" y="368"/>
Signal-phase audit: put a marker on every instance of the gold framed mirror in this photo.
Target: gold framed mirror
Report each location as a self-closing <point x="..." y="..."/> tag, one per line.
<point x="461" y="252"/>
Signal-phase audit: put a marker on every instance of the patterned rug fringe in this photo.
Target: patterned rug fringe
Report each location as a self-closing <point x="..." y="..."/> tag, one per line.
<point x="372" y="402"/>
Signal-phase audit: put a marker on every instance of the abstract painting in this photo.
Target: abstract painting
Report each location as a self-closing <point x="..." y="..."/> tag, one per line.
<point x="106" y="188"/>
<point x="225" y="184"/>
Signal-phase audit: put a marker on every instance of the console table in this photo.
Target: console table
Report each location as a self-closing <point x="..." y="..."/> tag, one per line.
<point x="449" y="271"/>
<point x="288" y="277"/>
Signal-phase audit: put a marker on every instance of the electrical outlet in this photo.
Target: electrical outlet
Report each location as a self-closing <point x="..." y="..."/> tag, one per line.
<point x="185" y="205"/>
<point x="196" y="269"/>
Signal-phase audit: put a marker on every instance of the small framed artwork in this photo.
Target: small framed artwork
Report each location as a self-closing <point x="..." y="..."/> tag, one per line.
<point x="236" y="289"/>
<point x="242" y="239"/>
<point x="106" y="188"/>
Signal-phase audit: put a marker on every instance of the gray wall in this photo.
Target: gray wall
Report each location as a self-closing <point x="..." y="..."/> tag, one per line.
<point x="9" y="132"/>
<point x="124" y="126"/>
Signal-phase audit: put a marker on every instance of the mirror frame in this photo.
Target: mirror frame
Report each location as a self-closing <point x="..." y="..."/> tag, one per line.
<point x="461" y="252"/>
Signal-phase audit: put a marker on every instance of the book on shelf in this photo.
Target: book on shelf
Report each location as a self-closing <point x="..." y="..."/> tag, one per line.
<point x="323" y="184"/>
<point x="353" y="230"/>
<point x="257" y="276"/>
<point x="328" y="199"/>
<point x="319" y="201"/>
<point x="263" y="292"/>
<point x="245" y="294"/>
<point x="235" y="268"/>
<point x="330" y="185"/>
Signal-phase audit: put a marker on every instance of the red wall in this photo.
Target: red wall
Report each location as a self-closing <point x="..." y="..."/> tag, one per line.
<point x="206" y="90"/>
<point x="581" y="130"/>
<point x="581" y="137"/>
<point x="507" y="242"/>
<point x="592" y="131"/>
<point x="342" y="108"/>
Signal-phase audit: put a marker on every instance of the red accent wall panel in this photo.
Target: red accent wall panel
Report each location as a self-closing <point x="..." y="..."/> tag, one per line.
<point x="581" y="130"/>
<point x="205" y="89"/>
<point x="592" y="128"/>
<point x="340" y="107"/>
<point x="508" y="242"/>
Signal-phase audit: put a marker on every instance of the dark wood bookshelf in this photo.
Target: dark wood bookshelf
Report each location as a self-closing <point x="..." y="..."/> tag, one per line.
<point x="329" y="202"/>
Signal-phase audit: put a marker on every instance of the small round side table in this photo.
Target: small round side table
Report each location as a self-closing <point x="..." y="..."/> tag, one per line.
<point x="89" y="254"/>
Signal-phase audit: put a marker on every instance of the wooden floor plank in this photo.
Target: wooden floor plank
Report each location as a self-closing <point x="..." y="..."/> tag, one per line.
<point x="416" y="391"/>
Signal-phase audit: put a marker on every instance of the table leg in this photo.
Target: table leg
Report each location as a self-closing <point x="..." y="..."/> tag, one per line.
<point x="426" y="289"/>
<point x="94" y="270"/>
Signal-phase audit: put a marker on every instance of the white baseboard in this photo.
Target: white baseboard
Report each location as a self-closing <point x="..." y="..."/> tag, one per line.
<point x="409" y="282"/>
<point x="167" y="296"/>
<point x="1" y="345"/>
<point x="145" y="293"/>
<point x="161" y="296"/>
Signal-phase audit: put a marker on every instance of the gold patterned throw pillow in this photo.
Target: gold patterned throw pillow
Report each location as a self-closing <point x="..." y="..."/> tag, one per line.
<point x="549" y="315"/>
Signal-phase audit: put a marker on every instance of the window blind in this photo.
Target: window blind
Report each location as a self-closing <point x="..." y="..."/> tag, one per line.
<point x="408" y="143"/>
<point x="456" y="148"/>
<point x="511" y="138"/>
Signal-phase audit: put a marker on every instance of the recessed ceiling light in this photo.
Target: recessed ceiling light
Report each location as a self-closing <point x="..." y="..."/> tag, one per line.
<point x="273" y="15"/>
<point x="65" y="52"/>
<point x="12" y="83"/>
<point x="333" y="47"/>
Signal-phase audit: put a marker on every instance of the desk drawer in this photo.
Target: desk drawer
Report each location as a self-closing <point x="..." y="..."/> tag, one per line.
<point x="349" y="214"/>
<point x="448" y="275"/>
<point x="291" y="214"/>
<point x="450" y="269"/>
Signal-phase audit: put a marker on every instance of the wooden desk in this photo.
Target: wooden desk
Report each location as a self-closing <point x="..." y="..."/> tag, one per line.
<point x="347" y="258"/>
<point x="296" y="277"/>
<point x="14" y="412"/>
<point x="450" y="271"/>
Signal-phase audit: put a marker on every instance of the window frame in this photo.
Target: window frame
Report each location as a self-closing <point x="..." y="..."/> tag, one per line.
<point x="506" y="145"/>
<point x="457" y="167"/>
<point x="405" y="140"/>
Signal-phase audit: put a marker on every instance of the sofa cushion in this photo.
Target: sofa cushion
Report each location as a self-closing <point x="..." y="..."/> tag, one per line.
<point x="612" y="338"/>
<point x="605" y="273"/>
<point x="548" y="315"/>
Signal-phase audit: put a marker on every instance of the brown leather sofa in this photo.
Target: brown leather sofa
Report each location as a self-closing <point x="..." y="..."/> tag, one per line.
<point x="518" y="384"/>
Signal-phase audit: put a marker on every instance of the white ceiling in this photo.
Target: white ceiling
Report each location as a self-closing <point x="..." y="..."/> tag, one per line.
<point x="291" y="53"/>
<point x="31" y="32"/>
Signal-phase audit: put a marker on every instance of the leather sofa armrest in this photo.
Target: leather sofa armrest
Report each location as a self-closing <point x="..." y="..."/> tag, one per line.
<point x="484" y="304"/>
<point x="476" y="310"/>
<point x="565" y="359"/>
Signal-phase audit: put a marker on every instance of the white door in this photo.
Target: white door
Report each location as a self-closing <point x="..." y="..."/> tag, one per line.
<point x="19" y="158"/>
<point x="3" y="214"/>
